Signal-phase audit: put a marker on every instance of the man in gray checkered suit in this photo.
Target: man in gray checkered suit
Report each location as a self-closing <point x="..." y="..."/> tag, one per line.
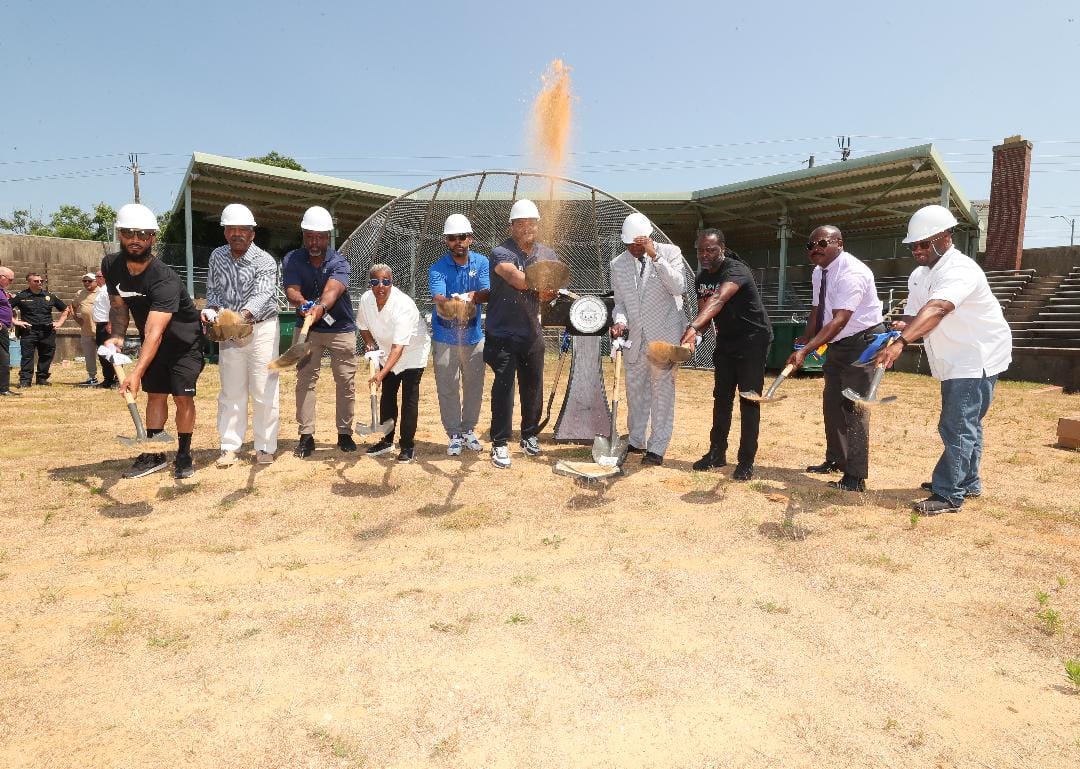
<point x="649" y="282"/>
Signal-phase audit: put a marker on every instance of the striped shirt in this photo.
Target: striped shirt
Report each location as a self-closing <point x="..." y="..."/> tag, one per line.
<point x="247" y="283"/>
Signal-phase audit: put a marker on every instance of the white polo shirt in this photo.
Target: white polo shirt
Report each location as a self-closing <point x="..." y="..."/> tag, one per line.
<point x="398" y="322"/>
<point x="101" y="307"/>
<point x="849" y="285"/>
<point x="974" y="338"/>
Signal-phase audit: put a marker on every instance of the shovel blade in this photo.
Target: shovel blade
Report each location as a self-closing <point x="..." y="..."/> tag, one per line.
<point x="586" y="472"/>
<point x="382" y="429"/>
<point x="757" y="397"/>
<point x="137" y="441"/>
<point x="610" y="452"/>
<point x="291" y="357"/>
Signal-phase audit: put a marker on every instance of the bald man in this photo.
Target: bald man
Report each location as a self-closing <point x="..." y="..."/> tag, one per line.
<point x="846" y="315"/>
<point x="6" y="323"/>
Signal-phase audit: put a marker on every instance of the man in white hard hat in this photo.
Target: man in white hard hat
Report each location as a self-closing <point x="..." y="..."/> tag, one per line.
<point x="728" y="299"/>
<point x="459" y="275"/>
<point x="242" y="277"/>
<point x="845" y="314"/>
<point x="967" y="342"/>
<point x="648" y="281"/>
<point x="513" y="338"/>
<point x="83" y="305"/>
<point x="171" y="357"/>
<point x="316" y="279"/>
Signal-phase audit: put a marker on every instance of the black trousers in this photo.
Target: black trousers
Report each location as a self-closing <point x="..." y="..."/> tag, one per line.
<point x="408" y="381"/>
<point x="5" y="361"/>
<point x="524" y="360"/>
<point x="101" y="335"/>
<point x="847" y="427"/>
<point x="738" y="364"/>
<point x="40" y="340"/>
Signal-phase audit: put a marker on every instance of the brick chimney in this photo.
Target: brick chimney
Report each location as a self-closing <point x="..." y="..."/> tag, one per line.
<point x="1008" y="204"/>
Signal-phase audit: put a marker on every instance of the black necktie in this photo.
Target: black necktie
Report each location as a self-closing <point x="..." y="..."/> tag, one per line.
<point x="821" y="300"/>
<point x="641" y="272"/>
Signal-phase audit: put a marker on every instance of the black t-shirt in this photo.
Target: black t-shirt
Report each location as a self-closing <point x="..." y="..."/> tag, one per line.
<point x="744" y="314"/>
<point x="36" y="309"/>
<point x="156" y="288"/>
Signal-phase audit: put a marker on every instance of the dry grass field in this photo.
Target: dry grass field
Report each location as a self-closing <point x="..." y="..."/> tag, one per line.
<point x="349" y="612"/>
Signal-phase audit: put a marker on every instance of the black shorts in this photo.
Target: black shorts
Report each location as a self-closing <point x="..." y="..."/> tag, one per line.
<point x="175" y="375"/>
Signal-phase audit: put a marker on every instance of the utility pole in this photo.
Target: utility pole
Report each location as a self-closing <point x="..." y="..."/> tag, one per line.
<point x="133" y="158"/>
<point x="1072" y="227"/>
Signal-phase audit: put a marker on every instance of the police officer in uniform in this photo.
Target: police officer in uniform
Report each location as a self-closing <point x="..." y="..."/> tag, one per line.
<point x="37" y="330"/>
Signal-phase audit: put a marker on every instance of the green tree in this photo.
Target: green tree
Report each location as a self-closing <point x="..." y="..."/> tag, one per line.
<point x="274" y="158"/>
<point x="22" y="223"/>
<point x="68" y="221"/>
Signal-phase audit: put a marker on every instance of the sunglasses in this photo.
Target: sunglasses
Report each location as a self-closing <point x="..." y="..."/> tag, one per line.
<point x="127" y="232"/>
<point x="381" y="281"/>
<point x="823" y="243"/>
<point x="454" y="238"/>
<point x="87" y="280"/>
<point x="36" y="280"/>
<point x="922" y="245"/>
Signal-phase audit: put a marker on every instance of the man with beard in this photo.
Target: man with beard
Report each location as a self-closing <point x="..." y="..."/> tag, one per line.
<point x="317" y="273"/>
<point x="37" y="329"/>
<point x="514" y="343"/>
<point x="171" y="357"/>
<point x="728" y="298"/>
<point x="968" y="343"/>
<point x="846" y="315"/>
<point x="242" y="278"/>
<point x="458" y="343"/>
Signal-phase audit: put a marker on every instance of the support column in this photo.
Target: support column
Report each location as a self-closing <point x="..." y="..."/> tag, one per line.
<point x="189" y="250"/>
<point x="782" y="233"/>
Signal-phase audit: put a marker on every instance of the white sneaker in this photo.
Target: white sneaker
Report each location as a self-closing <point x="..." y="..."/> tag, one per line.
<point x="227" y="459"/>
<point x="454" y="449"/>
<point x="264" y="458"/>
<point x="500" y="457"/>
<point x="472" y="443"/>
<point x="531" y="446"/>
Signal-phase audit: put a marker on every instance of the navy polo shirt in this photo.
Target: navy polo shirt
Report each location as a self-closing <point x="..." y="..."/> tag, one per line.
<point x="512" y="313"/>
<point x="297" y="270"/>
<point x="447" y="277"/>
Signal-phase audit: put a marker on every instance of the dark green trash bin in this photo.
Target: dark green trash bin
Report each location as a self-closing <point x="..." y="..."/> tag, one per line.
<point x="784" y="335"/>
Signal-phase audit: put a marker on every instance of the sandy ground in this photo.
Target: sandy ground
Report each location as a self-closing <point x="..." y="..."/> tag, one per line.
<point x="350" y="612"/>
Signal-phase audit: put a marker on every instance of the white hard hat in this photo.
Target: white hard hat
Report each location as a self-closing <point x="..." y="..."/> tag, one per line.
<point x="929" y="221"/>
<point x="135" y="216"/>
<point x="237" y="215"/>
<point x="457" y="224"/>
<point x="634" y="226"/>
<point x="524" y="209"/>
<point x="317" y="219"/>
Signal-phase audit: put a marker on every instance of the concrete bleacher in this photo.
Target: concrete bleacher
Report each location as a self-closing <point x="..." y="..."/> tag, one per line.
<point x="1050" y="313"/>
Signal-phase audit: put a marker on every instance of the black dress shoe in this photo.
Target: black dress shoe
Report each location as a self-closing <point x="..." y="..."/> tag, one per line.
<point x="652" y="458"/>
<point x="305" y="447"/>
<point x="632" y="449"/>
<point x="824" y="468"/>
<point x="743" y="472"/>
<point x="7" y="393"/>
<point x="709" y="461"/>
<point x="848" y="483"/>
<point x="345" y="442"/>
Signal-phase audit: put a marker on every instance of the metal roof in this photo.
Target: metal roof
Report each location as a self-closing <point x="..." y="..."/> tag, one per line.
<point x="277" y="196"/>
<point x="867" y="196"/>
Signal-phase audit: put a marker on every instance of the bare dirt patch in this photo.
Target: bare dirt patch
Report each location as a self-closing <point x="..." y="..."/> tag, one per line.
<point x="350" y="612"/>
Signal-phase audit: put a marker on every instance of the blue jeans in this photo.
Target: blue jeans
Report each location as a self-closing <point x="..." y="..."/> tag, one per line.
<point x="964" y="403"/>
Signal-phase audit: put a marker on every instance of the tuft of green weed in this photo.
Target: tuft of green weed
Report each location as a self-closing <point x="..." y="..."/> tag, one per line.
<point x="1072" y="670"/>
<point x="518" y="619"/>
<point x="913" y="519"/>
<point x="890" y="724"/>
<point x="553" y="541"/>
<point x="48" y="517"/>
<point x="1062" y="582"/>
<point x="772" y="607"/>
<point x="1042" y="597"/>
<point x="523" y="579"/>
<point x="447" y="746"/>
<point x="165" y="640"/>
<point x="1051" y="619"/>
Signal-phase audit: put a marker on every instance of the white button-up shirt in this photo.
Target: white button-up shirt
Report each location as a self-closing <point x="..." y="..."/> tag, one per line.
<point x="398" y="322"/>
<point x="849" y="285"/>
<point x="972" y="339"/>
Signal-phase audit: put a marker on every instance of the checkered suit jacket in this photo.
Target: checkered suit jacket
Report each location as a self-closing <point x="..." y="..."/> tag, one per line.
<point x="650" y="306"/>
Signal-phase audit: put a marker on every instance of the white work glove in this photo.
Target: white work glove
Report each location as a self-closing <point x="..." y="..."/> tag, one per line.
<point x="114" y="356"/>
<point x="618" y="344"/>
<point x="375" y="355"/>
<point x="462" y="297"/>
<point x="209" y="314"/>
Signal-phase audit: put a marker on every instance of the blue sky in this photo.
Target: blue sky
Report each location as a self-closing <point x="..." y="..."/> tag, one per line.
<point x="669" y="96"/>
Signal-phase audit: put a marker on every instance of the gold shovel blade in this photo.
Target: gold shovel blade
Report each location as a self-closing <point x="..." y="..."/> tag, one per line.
<point x="547" y="276"/>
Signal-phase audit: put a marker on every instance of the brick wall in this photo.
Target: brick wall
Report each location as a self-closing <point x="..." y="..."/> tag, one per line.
<point x="1008" y="204"/>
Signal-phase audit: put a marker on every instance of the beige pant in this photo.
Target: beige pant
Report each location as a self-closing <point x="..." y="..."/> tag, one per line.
<point x="89" y="351"/>
<point x="342" y="349"/>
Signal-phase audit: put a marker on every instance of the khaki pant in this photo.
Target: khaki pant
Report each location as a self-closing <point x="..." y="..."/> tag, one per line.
<point x="89" y="351"/>
<point x="342" y="349"/>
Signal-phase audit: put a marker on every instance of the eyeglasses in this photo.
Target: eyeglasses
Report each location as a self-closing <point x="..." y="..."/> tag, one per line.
<point x="383" y="281"/>
<point x="454" y="238"/>
<point x="823" y="243"/>
<point x="127" y="232"/>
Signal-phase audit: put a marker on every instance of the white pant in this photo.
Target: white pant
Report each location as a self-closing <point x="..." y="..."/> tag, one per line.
<point x="243" y="372"/>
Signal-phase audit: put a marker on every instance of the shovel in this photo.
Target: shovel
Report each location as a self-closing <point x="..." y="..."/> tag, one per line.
<point x="374" y="428"/>
<point x="548" y="275"/>
<point x="870" y="399"/>
<point x="611" y="451"/>
<point x="770" y="395"/>
<point x="300" y="349"/>
<point x="663" y="353"/>
<point x="133" y="409"/>
<point x="563" y="347"/>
